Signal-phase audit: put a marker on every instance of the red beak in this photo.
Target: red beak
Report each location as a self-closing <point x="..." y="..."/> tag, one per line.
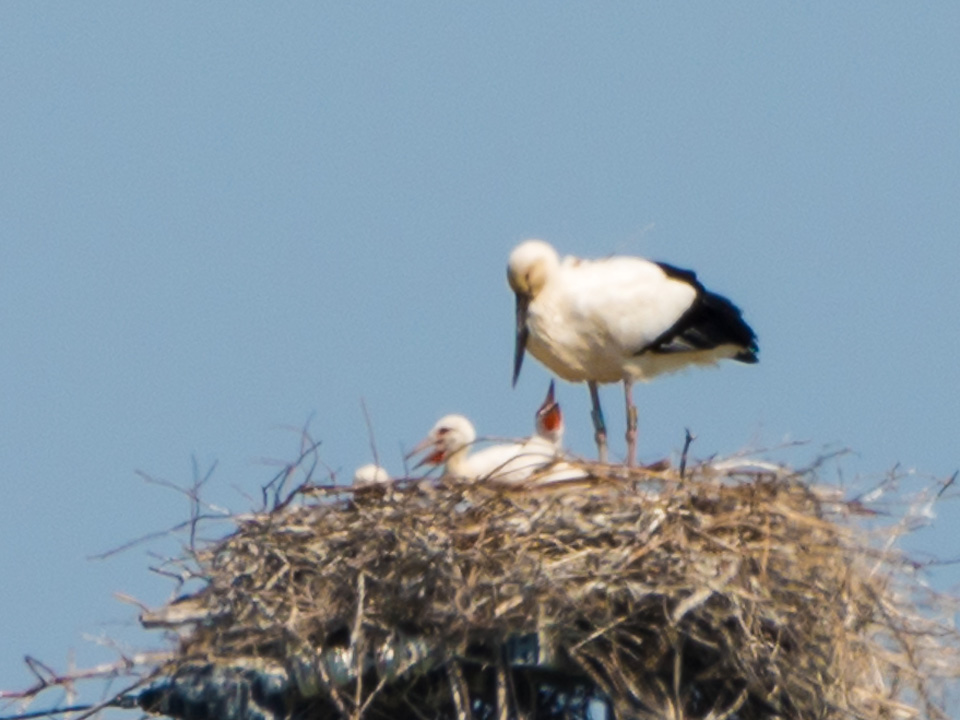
<point x="549" y="415"/>
<point x="434" y="458"/>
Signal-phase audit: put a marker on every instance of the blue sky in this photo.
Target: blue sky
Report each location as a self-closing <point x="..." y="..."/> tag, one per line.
<point x="224" y="222"/>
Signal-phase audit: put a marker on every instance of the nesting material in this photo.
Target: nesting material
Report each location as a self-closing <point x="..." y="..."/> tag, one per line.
<point x="730" y="593"/>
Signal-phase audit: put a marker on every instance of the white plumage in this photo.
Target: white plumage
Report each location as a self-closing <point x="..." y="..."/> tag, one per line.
<point x="618" y="319"/>
<point x="370" y="475"/>
<point x="450" y="440"/>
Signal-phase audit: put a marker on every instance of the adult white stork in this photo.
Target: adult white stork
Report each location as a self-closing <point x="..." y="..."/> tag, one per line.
<point x="450" y="440"/>
<point x="618" y="319"/>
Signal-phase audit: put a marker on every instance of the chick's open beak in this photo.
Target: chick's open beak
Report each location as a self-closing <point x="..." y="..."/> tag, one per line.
<point x="549" y="413"/>
<point x="550" y="399"/>
<point x="434" y="458"/>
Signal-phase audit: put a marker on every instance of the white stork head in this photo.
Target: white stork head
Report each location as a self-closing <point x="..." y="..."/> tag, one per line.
<point x="450" y="437"/>
<point x="531" y="264"/>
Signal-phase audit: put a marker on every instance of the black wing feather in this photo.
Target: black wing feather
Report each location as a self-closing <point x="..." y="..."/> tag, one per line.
<point x="712" y="320"/>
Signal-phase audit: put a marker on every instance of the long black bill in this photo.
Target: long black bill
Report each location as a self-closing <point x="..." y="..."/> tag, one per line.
<point x="522" y="333"/>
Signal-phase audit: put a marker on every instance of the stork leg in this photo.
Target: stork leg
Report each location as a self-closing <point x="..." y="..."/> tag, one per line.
<point x="631" y="423"/>
<point x="599" y="428"/>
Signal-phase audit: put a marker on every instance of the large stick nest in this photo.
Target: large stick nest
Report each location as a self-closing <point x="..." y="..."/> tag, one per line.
<point x="725" y="594"/>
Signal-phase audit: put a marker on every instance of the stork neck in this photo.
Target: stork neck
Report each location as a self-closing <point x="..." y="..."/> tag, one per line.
<point x="457" y="463"/>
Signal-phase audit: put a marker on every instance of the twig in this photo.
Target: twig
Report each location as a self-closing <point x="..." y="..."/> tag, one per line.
<point x="357" y="646"/>
<point x="46" y="713"/>
<point x="120" y="695"/>
<point x="194" y="495"/>
<point x="948" y="483"/>
<point x="191" y="492"/>
<point x="47" y="677"/>
<point x="35" y="666"/>
<point x="503" y="705"/>
<point x="308" y="448"/>
<point x="370" y="435"/>
<point x="459" y="692"/>
<point x="683" y="456"/>
<point x="154" y="535"/>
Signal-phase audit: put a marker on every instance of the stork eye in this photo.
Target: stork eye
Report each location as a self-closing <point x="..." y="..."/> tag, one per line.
<point x="442" y="431"/>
